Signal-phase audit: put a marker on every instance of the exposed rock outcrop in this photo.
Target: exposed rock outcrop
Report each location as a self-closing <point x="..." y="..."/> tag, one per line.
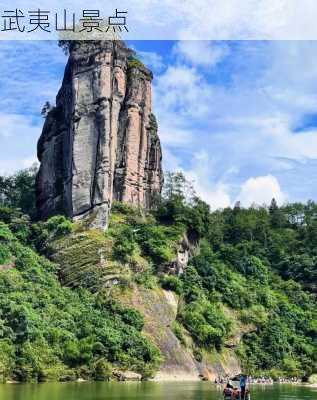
<point x="126" y="375"/>
<point x="186" y="248"/>
<point x="159" y="308"/>
<point x="85" y="260"/>
<point x="100" y="142"/>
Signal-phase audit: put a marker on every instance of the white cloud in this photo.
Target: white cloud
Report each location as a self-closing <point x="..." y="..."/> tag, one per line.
<point x="18" y="137"/>
<point x="180" y="93"/>
<point x="228" y="19"/>
<point x="216" y="196"/>
<point x="261" y="190"/>
<point x="12" y="165"/>
<point x="173" y="136"/>
<point x="200" y="170"/>
<point x="14" y="125"/>
<point x="152" y="59"/>
<point x="29" y="161"/>
<point x="31" y="73"/>
<point x="244" y="120"/>
<point x="203" y="53"/>
<point x="199" y="19"/>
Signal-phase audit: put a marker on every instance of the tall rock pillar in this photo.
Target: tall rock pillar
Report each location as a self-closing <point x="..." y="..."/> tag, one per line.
<point x="100" y="141"/>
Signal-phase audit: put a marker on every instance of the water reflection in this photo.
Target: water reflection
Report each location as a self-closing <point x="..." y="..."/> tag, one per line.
<point x="144" y="391"/>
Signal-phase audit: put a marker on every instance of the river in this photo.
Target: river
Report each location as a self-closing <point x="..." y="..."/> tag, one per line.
<point x="144" y="391"/>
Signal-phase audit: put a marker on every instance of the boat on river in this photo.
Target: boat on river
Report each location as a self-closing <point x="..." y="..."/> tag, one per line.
<point x="235" y="394"/>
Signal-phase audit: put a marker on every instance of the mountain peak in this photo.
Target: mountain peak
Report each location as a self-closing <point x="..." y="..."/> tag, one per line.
<point x="98" y="143"/>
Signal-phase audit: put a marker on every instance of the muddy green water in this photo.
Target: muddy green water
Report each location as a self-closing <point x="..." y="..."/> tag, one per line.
<point x="144" y="391"/>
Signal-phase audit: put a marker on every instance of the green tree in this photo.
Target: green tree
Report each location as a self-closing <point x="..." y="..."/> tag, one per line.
<point x="18" y="190"/>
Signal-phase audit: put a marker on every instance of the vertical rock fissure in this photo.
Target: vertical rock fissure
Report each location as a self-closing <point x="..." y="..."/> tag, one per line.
<point x="140" y="161"/>
<point x="97" y="155"/>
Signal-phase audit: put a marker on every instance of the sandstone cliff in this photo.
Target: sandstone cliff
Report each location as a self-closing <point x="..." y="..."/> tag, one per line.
<point x="159" y="308"/>
<point x="86" y="260"/>
<point x="100" y="142"/>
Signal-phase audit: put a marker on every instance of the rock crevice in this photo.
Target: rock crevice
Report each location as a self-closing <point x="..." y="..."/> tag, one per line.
<point x="100" y="142"/>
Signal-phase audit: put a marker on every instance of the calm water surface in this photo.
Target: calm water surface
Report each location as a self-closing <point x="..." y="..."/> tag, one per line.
<point x="144" y="391"/>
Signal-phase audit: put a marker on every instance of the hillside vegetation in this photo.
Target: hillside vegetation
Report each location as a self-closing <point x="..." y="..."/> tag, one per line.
<point x="253" y="268"/>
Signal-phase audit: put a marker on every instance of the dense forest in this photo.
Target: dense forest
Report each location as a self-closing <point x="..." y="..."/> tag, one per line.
<point x="254" y="267"/>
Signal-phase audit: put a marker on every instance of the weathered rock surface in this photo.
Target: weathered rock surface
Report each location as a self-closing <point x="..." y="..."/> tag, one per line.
<point x="100" y="142"/>
<point x="186" y="248"/>
<point x="126" y="375"/>
<point x="85" y="260"/>
<point x="159" y="308"/>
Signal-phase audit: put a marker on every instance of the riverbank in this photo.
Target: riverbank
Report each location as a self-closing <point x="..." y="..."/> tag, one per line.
<point x="176" y="378"/>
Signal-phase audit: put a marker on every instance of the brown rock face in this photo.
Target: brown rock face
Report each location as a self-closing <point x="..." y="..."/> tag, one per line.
<point x="100" y="141"/>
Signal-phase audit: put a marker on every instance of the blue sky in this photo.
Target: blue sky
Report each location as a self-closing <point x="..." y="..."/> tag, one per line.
<point x="238" y="118"/>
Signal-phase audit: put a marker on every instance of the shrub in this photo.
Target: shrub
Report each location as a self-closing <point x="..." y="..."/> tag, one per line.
<point x="59" y="226"/>
<point x="171" y="282"/>
<point x="179" y="332"/>
<point x="207" y="323"/>
<point x="123" y="208"/>
<point x="157" y="243"/>
<point x="5" y="254"/>
<point x="102" y="370"/>
<point x="124" y="244"/>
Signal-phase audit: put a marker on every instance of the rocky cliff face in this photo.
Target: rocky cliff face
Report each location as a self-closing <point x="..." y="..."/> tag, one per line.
<point x="100" y="142"/>
<point x="159" y="308"/>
